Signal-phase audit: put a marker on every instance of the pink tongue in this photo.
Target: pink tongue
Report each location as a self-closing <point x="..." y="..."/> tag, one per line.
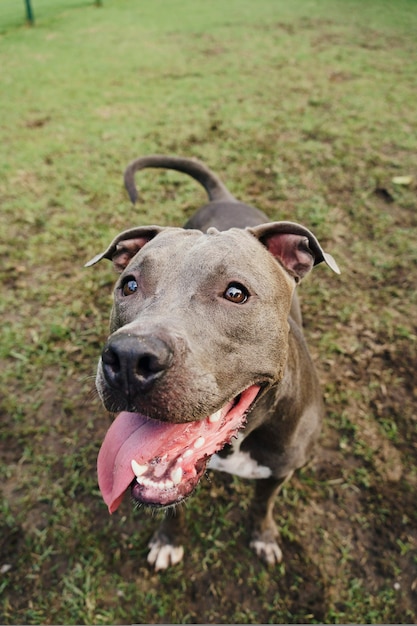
<point x="133" y="436"/>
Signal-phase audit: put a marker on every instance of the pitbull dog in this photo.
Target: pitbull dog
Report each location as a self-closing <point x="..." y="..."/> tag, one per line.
<point x="206" y="362"/>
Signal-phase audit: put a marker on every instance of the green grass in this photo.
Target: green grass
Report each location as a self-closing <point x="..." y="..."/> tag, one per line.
<point x="305" y="109"/>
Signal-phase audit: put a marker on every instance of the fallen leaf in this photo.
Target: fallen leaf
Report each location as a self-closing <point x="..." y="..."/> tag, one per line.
<point x="402" y="180"/>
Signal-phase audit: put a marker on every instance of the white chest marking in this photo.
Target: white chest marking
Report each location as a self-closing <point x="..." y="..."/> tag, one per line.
<point x="239" y="463"/>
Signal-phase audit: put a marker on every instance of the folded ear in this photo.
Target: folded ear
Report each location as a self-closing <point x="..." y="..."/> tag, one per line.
<point x="294" y="246"/>
<point x="124" y="247"/>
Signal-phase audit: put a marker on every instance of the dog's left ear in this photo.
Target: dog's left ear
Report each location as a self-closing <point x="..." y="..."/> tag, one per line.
<point x="124" y="247"/>
<point x="294" y="246"/>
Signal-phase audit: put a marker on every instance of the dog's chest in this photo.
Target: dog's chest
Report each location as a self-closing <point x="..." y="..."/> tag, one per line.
<point x="239" y="463"/>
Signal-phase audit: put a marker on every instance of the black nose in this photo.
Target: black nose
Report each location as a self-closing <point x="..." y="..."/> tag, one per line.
<point x="133" y="363"/>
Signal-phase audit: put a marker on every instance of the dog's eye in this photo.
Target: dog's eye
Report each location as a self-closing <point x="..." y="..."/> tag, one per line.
<point x="129" y="286"/>
<point x="236" y="293"/>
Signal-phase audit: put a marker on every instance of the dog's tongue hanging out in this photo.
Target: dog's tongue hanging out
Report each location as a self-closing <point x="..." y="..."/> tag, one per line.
<point x="164" y="461"/>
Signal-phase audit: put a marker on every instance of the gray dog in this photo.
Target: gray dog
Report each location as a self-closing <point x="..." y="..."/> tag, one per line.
<point x="206" y="363"/>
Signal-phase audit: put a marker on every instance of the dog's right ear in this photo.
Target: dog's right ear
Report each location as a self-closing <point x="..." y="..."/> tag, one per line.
<point x="124" y="247"/>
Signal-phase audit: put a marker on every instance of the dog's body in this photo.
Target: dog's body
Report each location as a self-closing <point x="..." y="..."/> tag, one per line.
<point x="206" y="359"/>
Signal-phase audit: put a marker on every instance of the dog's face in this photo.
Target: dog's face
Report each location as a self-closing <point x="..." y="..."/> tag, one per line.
<point x="186" y="357"/>
<point x="204" y="305"/>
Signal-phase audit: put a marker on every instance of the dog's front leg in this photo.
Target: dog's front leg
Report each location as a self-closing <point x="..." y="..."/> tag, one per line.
<point x="264" y="530"/>
<point x="165" y="544"/>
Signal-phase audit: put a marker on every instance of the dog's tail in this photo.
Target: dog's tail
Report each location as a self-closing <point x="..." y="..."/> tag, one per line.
<point x="216" y="190"/>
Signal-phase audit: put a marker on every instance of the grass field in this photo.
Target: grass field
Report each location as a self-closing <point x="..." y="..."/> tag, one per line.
<point x="306" y="109"/>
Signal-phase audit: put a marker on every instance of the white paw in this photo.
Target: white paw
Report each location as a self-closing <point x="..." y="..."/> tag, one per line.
<point x="268" y="551"/>
<point x="163" y="555"/>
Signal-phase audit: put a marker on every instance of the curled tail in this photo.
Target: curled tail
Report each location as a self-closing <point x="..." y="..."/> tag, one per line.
<point x="216" y="190"/>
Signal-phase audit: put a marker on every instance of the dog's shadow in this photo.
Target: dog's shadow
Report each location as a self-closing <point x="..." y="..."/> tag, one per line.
<point x="220" y="575"/>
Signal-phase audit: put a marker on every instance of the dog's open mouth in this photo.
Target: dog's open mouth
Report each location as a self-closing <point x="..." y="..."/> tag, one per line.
<point x="162" y="461"/>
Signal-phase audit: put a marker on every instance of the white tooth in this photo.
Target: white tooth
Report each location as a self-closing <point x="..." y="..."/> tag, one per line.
<point x="215" y="417"/>
<point x="176" y="475"/>
<point x="187" y="453"/>
<point x="138" y="470"/>
<point x="199" y="442"/>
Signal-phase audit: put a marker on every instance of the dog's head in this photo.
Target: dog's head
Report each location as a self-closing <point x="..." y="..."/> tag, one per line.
<point x="199" y="329"/>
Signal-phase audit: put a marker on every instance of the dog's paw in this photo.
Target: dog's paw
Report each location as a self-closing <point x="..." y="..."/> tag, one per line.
<point x="266" y="547"/>
<point x="162" y="555"/>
